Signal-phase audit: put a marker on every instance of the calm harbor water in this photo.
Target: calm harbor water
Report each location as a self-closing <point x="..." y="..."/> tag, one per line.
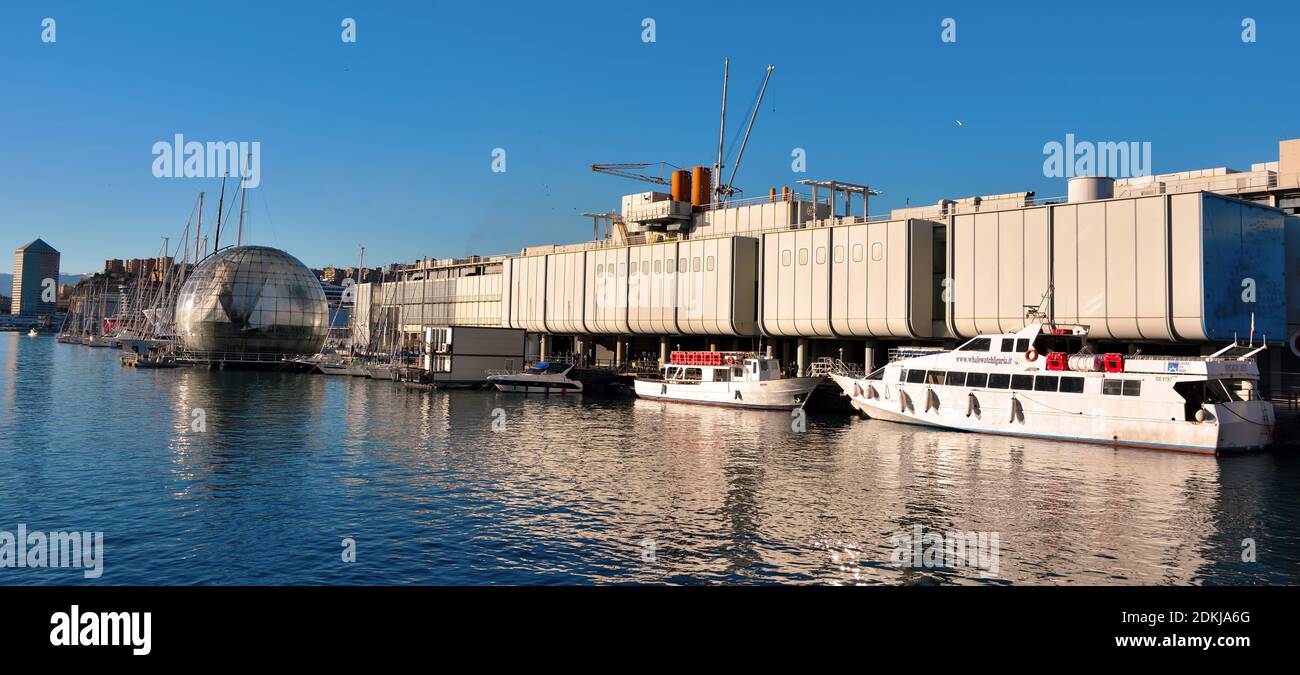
<point x="581" y="490"/>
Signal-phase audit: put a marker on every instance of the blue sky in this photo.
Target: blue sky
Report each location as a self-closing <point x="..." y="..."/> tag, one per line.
<point x="387" y="142"/>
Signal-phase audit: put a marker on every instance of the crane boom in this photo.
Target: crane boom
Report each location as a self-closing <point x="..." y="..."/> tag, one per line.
<point x="627" y="170"/>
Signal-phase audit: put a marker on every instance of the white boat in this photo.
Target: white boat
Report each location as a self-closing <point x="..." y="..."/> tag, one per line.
<point x="333" y="368"/>
<point x="33" y="333"/>
<point x="100" y="341"/>
<point x="1043" y="382"/>
<point x="381" y="371"/>
<point x="736" y="379"/>
<point x="542" y="378"/>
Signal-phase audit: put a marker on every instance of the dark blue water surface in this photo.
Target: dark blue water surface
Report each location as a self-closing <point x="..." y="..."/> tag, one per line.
<point x="581" y="490"/>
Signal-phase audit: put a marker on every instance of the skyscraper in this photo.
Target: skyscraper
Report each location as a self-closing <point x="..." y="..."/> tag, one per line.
<point x="33" y="264"/>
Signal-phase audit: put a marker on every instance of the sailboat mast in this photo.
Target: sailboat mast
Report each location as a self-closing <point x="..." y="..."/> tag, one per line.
<point x="198" y="235"/>
<point x="221" y="200"/>
<point x="239" y="236"/>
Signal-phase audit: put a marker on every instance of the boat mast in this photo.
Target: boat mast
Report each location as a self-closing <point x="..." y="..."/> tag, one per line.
<point x="220" y="202"/>
<point x="243" y="193"/>
<point x="198" y="235"/>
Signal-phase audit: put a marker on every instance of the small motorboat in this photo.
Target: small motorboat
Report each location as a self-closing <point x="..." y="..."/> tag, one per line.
<point x="734" y="379"/>
<point x="542" y="377"/>
<point x="33" y="333"/>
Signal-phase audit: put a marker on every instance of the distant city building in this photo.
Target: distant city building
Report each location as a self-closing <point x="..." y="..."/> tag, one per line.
<point x="115" y="267"/>
<point x="6" y="303"/>
<point x="33" y="265"/>
<point x="331" y="275"/>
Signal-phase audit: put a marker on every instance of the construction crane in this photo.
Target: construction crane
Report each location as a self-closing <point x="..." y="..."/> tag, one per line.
<point x="628" y="171"/>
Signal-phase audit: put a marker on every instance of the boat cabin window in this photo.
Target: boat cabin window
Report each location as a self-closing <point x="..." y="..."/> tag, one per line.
<point x="999" y="380"/>
<point x="955" y="379"/>
<point x="1046" y="382"/>
<point x="934" y="377"/>
<point x="691" y="374"/>
<point x="721" y="374"/>
<point x="1059" y="343"/>
<point x="916" y="376"/>
<point x="1007" y="345"/>
<point x="979" y="344"/>
<point x="1122" y="387"/>
<point x="1022" y="382"/>
<point x="977" y="380"/>
<point x="1071" y="385"/>
<point x="1022" y="345"/>
<point x="737" y="372"/>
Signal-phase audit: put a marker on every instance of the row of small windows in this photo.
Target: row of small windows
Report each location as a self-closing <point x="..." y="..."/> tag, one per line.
<point x="1064" y="384"/>
<point x="1122" y="387"/>
<point x="984" y="344"/>
<point x="625" y="269"/>
<point x="877" y="252"/>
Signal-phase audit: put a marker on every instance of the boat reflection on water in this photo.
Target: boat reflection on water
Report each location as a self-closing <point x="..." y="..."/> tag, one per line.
<point x="474" y="487"/>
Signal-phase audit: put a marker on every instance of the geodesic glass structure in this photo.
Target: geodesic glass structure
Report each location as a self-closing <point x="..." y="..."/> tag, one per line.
<point x="252" y="299"/>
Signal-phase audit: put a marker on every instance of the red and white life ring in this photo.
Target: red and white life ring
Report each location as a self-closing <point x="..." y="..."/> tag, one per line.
<point x="1031" y="355"/>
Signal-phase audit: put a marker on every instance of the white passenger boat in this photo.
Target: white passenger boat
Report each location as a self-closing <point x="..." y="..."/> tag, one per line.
<point x="738" y="379"/>
<point x="542" y="378"/>
<point x="1041" y="381"/>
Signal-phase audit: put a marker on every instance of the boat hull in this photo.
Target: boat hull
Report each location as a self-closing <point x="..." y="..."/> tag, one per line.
<point x="783" y="394"/>
<point x="1236" y="426"/>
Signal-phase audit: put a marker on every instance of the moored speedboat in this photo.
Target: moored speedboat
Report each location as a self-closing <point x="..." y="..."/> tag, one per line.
<point x="736" y="379"/>
<point x="999" y="384"/>
<point x="542" y="378"/>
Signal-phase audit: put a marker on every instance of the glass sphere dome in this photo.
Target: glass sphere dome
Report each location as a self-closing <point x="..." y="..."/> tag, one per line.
<point x="252" y="299"/>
